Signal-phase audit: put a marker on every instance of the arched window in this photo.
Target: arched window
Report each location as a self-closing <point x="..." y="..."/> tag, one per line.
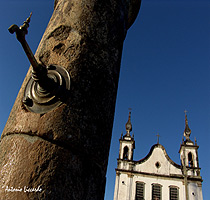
<point x="125" y="153"/>
<point x="156" y="192"/>
<point x="174" y="193"/>
<point x="139" y="191"/>
<point x="190" y="159"/>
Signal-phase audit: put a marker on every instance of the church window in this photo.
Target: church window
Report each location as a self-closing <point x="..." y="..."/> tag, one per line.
<point x="173" y="193"/>
<point x="156" y="192"/>
<point x="139" y="191"/>
<point x="190" y="159"/>
<point x="157" y="164"/>
<point x="125" y="153"/>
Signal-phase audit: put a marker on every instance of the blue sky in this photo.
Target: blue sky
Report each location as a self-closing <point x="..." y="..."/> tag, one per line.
<point x="165" y="69"/>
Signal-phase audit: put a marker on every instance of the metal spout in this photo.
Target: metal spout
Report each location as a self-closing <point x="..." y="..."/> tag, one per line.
<point x="39" y="72"/>
<point x="46" y="83"/>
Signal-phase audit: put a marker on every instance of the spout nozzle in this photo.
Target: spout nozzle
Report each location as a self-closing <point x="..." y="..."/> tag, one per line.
<point x="13" y="28"/>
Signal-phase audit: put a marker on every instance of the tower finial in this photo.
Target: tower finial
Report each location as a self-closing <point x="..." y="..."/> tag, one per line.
<point x="195" y="141"/>
<point x="187" y="130"/>
<point x="128" y="125"/>
<point x="186" y="121"/>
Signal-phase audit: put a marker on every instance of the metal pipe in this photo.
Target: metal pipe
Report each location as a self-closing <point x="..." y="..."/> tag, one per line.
<point x="39" y="72"/>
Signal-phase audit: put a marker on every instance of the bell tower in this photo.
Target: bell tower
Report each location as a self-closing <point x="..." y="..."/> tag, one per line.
<point x="189" y="152"/>
<point x="125" y="162"/>
<point x="127" y="143"/>
<point x="190" y="165"/>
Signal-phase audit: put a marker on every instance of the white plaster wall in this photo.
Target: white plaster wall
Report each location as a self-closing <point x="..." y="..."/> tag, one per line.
<point x="195" y="192"/>
<point x="121" y="187"/>
<point x="165" y="186"/>
<point x="166" y="167"/>
<point x="116" y="188"/>
<point x="124" y="187"/>
<point x="126" y="165"/>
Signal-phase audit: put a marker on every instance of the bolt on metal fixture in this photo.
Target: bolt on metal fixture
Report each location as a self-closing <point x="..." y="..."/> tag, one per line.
<point x="47" y="84"/>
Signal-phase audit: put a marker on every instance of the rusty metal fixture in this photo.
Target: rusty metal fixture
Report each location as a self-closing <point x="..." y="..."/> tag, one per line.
<point x="44" y="88"/>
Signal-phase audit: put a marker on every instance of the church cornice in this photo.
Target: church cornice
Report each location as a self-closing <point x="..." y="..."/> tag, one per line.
<point x="128" y="140"/>
<point x="178" y="176"/>
<point x="188" y="146"/>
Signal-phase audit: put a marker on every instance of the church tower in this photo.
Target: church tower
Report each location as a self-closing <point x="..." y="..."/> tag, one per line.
<point x="190" y="164"/>
<point x="127" y="143"/>
<point x="189" y="152"/>
<point x="124" y="182"/>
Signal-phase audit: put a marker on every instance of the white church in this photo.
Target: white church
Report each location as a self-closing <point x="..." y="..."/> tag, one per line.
<point x="157" y="177"/>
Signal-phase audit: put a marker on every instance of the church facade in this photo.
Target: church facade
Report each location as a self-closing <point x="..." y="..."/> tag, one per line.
<point x="157" y="177"/>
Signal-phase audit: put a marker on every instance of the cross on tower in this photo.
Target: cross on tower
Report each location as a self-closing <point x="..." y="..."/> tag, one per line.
<point x="185" y="112"/>
<point x="158" y="136"/>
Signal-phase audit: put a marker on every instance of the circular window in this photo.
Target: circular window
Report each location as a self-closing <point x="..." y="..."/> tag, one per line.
<point x="157" y="164"/>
